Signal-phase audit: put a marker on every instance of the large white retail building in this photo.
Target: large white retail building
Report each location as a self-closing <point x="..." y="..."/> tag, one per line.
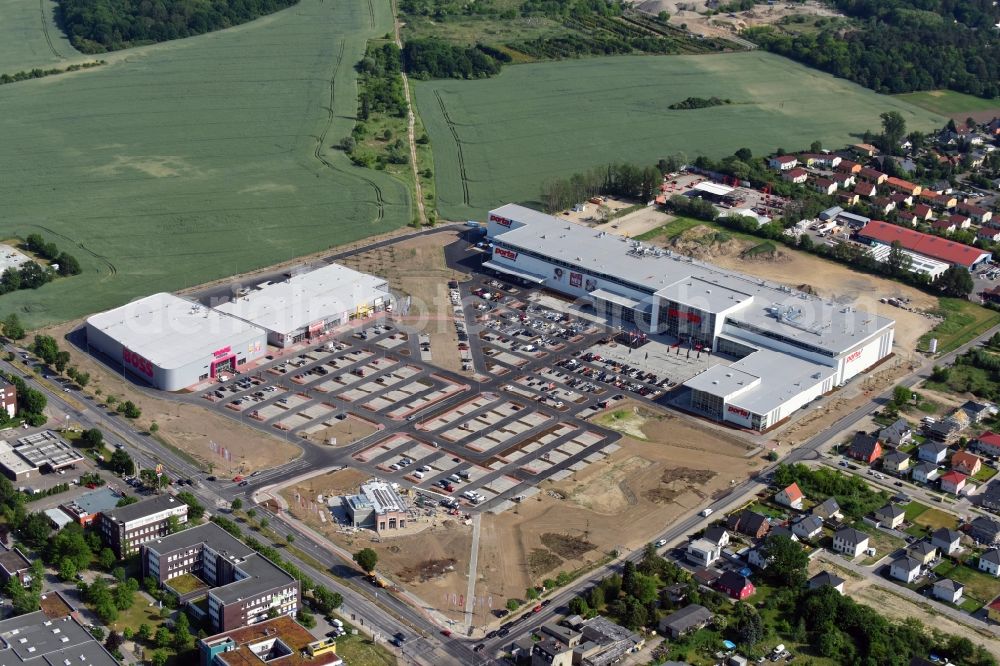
<point x="172" y="343"/>
<point x="790" y="347"/>
<point x="309" y="304"/>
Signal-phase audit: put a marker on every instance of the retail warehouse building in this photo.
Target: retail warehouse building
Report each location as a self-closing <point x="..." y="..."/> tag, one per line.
<point x="172" y="343"/>
<point x="790" y="347"/>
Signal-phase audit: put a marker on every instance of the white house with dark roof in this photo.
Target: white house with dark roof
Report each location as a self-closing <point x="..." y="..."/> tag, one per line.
<point x="924" y="551"/>
<point x="850" y="542"/>
<point x="948" y="541"/>
<point x="897" y="434"/>
<point x="808" y="527"/>
<point x="933" y="452"/>
<point x="905" y="569"/>
<point x="827" y="578"/>
<point x="891" y="516"/>
<point x="925" y="472"/>
<point x="990" y="562"/>
<point x="948" y="590"/>
<point x="828" y="509"/>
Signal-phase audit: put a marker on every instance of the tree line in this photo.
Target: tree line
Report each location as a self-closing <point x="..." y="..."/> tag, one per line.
<point x="31" y="274"/>
<point x="96" y="26"/>
<point x="37" y="73"/>
<point x="431" y="58"/>
<point x="620" y="180"/>
<point x="901" y="45"/>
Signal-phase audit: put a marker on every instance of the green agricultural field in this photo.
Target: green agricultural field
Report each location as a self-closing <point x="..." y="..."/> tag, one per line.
<point x="949" y="102"/>
<point x="29" y="37"/>
<point x="497" y="140"/>
<point x="192" y="160"/>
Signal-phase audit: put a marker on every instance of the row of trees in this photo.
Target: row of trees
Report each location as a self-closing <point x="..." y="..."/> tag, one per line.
<point x="95" y="26"/>
<point x="620" y="180"/>
<point x="431" y="58"/>
<point x="68" y="264"/>
<point x="901" y="45"/>
<point x="30" y="403"/>
<point x="36" y="73"/>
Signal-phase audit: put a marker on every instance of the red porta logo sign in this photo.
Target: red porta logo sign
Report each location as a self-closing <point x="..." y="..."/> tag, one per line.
<point x="505" y="253"/>
<point x="141" y="364"/>
<point x="853" y="357"/>
<point x="689" y="316"/>
<point x="502" y="221"/>
<point x="733" y="409"/>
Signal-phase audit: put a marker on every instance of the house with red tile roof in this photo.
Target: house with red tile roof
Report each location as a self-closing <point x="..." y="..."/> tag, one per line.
<point x="847" y="166"/>
<point x="797" y="175"/>
<point x="943" y="226"/>
<point x="907" y="217"/>
<point x="988" y="442"/>
<point x="783" y="162"/>
<point x="901" y="185"/>
<point x="791" y="497"/>
<point x="978" y="214"/>
<point x="884" y="205"/>
<point x="866" y="149"/>
<point x="953" y="482"/>
<point x="824" y="186"/>
<point x="945" y="201"/>
<point x="927" y="245"/>
<point x="843" y="180"/>
<point x="966" y="463"/>
<point x="901" y="199"/>
<point x="991" y="234"/>
<point x="848" y="198"/>
<point x="922" y="211"/>
<point x="866" y="189"/>
<point x="960" y="221"/>
<point x="873" y="176"/>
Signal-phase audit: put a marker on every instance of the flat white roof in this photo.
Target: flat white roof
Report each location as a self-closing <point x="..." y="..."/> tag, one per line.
<point x="773" y="379"/>
<point x="715" y="189"/>
<point x="382" y="497"/>
<point x="171" y="332"/>
<point x="13" y="462"/>
<point x="290" y="305"/>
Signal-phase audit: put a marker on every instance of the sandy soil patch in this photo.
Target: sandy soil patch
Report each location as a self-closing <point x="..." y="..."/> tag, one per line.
<point x="345" y="432"/>
<point x="637" y="222"/>
<point x="188" y="427"/>
<point x="690" y="12"/>
<point x="618" y="503"/>
<point x="825" y="278"/>
<point x="417" y="267"/>
<point x="430" y="558"/>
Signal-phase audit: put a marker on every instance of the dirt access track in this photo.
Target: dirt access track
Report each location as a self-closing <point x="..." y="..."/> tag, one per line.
<point x="619" y="503"/>
<point x="183" y="426"/>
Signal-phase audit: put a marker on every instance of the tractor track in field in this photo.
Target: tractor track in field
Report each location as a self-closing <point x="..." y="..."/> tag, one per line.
<point x="45" y="30"/>
<point x="321" y="139"/>
<point x="458" y="144"/>
<point x="112" y="269"/>
<point x="371" y="13"/>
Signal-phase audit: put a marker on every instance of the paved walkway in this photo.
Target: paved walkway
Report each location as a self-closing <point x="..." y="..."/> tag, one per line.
<point x="470" y="593"/>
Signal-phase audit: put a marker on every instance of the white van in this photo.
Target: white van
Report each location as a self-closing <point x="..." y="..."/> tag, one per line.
<point x="418" y="475"/>
<point x="705" y="513"/>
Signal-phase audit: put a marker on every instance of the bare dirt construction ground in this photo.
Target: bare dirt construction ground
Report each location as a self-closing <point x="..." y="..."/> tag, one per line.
<point x="431" y="560"/>
<point x="897" y="608"/>
<point x="691" y="13"/>
<point x="186" y="427"/>
<point x="618" y="503"/>
<point x="636" y="222"/>
<point x="595" y="214"/>
<point x="345" y="432"/>
<point x="824" y="278"/>
<point x="417" y="267"/>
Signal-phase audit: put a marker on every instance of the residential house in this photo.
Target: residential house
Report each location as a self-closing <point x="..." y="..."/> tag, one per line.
<point x="925" y="472"/>
<point x="791" y="497"/>
<point x="990" y="498"/>
<point x="13" y="564"/>
<point x="890" y="515"/>
<point x="848" y="198"/>
<point x="977" y="214"/>
<point x="829" y="160"/>
<point x="883" y="205"/>
<point x="797" y="176"/>
<point x="991" y="295"/>
<point x="828" y="510"/>
<point x="988" y="443"/>
<point x="899" y="433"/>
<point x="808" y="527"/>
<point x="758" y="557"/>
<point x="947" y="590"/>
<point x="827" y="578"/>
<point x="843" y="180"/>
<point x="866" y="189"/>
<point x="847" y="166"/>
<point x="864" y="447"/>
<point x="948" y="541"/>
<point x="947" y="429"/>
<point x="924" y="551"/>
<point x="945" y="202"/>
<point x="783" y="162"/>
<point x="905" y="569"/>
<point x="905" y="186"/>
<point x="978" y="411"/>
<point x="896" y="462"/>
<point x="717" y="535"/>
<point x="688" y="619"/>
<point x="960" y="221"/>
<point x="991" y="234"/>
<point x="736" y="585"/>
<point x="781" y="530"/>
<point x="901" y="199"/>
<point x="550" y="652"/>
<point x="872" y="175"/>
<point x="907" y="218"/>
<point x="850" y="542"/>
<point x="966" y="463"/>
<point x="702" y="552"/>
<point x="824" y="186"/>
<point x="990" y="562"/>
<point x="953" y="482"/>
<point x="933" y="452"/>
<point x="985" y="530"/>
<point x="864" y="149"/>
<point x="944" y="226"/>
<point x="922" y="211"/>
<point x="750" y="523"/>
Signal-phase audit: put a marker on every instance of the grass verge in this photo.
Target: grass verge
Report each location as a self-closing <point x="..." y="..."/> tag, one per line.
<point x="962" y="321"/>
